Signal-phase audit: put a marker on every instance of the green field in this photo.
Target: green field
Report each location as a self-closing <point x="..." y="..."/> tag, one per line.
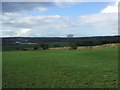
<point x="61" y="68"/>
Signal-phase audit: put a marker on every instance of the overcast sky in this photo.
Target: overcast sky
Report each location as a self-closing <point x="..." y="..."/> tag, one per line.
<point x="58" y="19"/>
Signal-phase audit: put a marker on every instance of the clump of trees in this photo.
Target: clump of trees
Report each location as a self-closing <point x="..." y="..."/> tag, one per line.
<point x="42" y="46"/>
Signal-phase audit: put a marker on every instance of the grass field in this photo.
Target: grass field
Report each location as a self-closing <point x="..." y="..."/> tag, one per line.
<point x="61" y="68"/>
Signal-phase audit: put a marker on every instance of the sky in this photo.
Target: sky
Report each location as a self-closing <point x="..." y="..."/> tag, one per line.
<point x="58" y="19"/>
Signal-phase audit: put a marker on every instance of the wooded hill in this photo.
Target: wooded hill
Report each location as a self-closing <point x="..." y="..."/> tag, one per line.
<point x="79" y="41"/>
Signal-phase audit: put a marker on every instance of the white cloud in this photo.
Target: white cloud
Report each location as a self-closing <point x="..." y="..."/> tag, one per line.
<point x="111" y="8"/>
<point x="23" y="32"/>
<point x="8" y="33"/>
<point x="14" y="20"/>
<point x="65" y="3"/>
<point x="24" y="6"/>
<point x="99" y="20"/>
<point x="16" y="24"/>
<point x="24" y="25"/>
<point x="42" y="9"/>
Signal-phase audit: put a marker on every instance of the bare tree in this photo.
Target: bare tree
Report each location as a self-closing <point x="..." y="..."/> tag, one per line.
<point x="71" y="42"/>
<point x="70" y="39"/>
<point x="70" y="36"/>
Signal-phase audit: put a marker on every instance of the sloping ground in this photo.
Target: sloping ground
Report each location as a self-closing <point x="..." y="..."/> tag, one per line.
<point x="90" y="47"/>
<point x="61" y="68"/>
<point x="101" y="46"/>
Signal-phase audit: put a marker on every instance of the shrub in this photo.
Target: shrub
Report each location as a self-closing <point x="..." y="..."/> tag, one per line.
<point x="73" y="48"/>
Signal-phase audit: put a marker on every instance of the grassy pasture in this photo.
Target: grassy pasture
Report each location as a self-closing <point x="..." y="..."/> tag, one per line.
<point x="61" y="68"/>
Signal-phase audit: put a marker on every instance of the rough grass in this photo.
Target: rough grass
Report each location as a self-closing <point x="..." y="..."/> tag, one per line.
<point x="61" y="69"/>
<point x="101" y="46"/>
<point x="89" y="47"/>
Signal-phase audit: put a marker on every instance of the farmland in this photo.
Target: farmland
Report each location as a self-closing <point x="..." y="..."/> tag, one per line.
<point x="96" y="68"/>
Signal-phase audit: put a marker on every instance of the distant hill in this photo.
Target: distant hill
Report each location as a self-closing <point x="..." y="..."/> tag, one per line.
<point x="80" y="41"/>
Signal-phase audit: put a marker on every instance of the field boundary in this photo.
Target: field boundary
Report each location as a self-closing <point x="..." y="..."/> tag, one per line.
<point x="89" y="47"/>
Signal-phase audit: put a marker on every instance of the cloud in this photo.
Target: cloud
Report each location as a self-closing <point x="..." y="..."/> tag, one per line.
<point x="18" y="24"/>
<point x="100" y="20"/>
<point x="23" y="6"/>
<point x="12" y="7"/>
<point x="8" y="33"/>
<point x="42" y="9"/>
<point x="23" y="32"/>
<point x="21" y="21"/>
<point x="28" y="6"/>
<point x="56" y="25"/>
<point x="111" y="8"/>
